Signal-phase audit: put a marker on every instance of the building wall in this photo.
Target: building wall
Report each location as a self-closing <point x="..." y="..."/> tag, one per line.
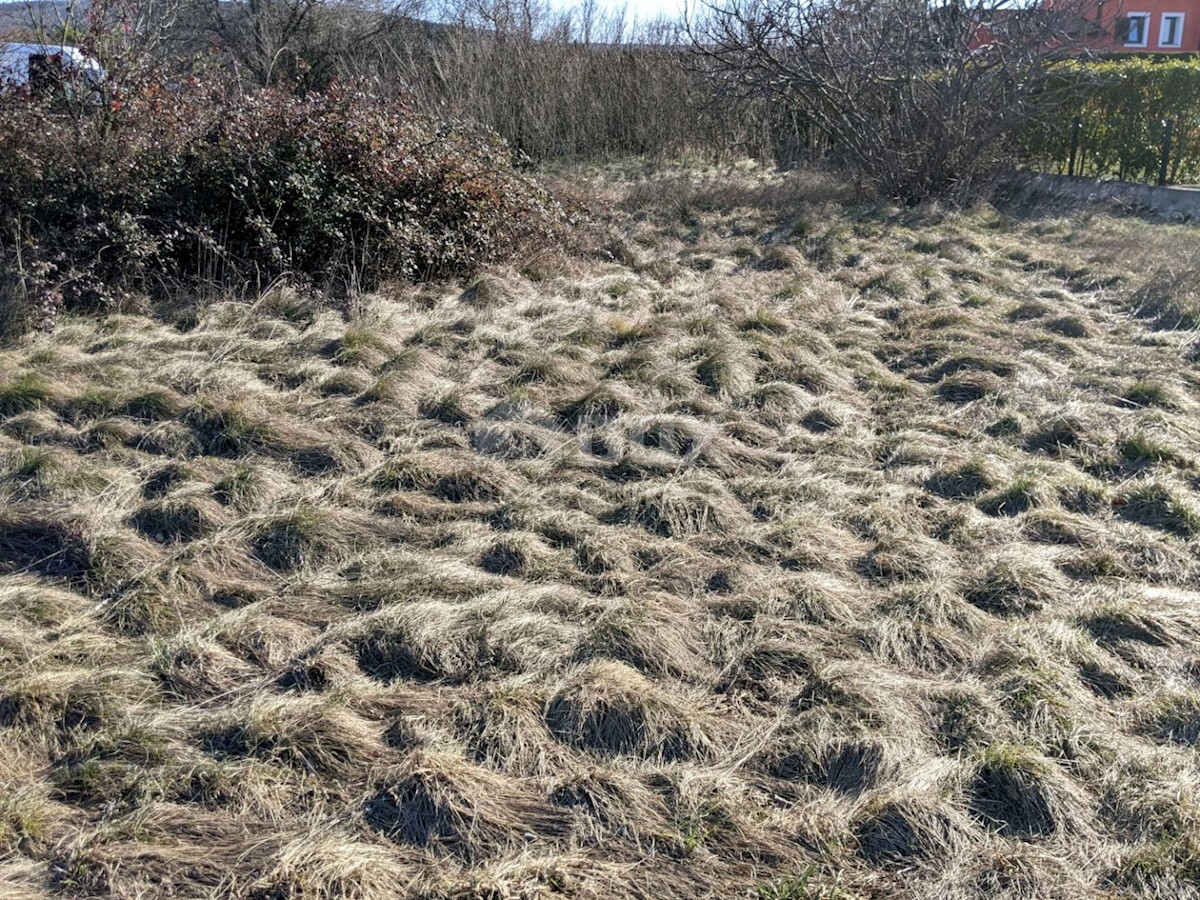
<point x="1101" y="28"/>
<point x="1108" y="14"/>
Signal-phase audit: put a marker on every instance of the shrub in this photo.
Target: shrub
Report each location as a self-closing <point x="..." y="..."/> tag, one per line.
<point x="340" y="189"/>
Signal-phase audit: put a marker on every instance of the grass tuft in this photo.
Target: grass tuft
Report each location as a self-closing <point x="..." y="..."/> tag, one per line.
<point x="681" y="509"/>
<point x="597" y="407"/>
<point x="303" y="537"/>
<point x="441" y="803"/>
<point x="24" y="393"/>
<point x="185" y="519"/>
<point x="1012" y="586"/>
<point x="226" y="429"/>
<point x="1159" y="505"/>
<point x="967" y="387"/>
<point x="724" y="373"/>
<point x="900" y="832"/>
<point x="303" y="732"/>
<point x="1146" y="392"/>
<point x="1010" y="793"/>
<point x="962" y="482"/>
<point x="1025" y="492"/>
<point x="240" y="488"/>
<point x="1174" y="719"/>
<point x="45" y="545"/>
<point x="611" y="709"/>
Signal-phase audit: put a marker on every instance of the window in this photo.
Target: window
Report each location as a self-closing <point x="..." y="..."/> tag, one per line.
<point x="1171" y="32"/>
<point x="1133" y="29"/>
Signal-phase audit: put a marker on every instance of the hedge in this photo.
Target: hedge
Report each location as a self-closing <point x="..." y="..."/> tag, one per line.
<point x="1122" y="104"/>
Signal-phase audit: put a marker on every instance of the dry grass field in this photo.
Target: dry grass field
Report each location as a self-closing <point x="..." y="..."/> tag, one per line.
<point x="780" y="548"/>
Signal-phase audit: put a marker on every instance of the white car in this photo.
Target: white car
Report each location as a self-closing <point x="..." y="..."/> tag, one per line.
<point x="37" y="65"/>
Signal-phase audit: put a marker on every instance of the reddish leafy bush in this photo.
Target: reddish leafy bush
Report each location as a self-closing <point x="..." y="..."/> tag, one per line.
<point x="337" y="188"/>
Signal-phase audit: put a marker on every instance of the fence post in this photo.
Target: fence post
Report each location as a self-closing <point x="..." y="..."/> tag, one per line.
<point x="1165" y="159"/>
<point x="1075" y="125"/>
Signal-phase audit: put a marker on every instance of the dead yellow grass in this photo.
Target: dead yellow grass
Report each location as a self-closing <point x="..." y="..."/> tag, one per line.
<point x="784" y="549"/>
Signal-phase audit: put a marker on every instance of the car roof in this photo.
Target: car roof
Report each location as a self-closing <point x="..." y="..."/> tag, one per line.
<point x="72" y="53"/>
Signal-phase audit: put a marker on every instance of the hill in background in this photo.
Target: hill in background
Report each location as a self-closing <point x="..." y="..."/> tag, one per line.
<point x="22" y="15"/>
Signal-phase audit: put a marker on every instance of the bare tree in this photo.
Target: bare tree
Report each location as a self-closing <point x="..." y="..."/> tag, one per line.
<point x="559" y="81"/>
<point x="919" y="98"/>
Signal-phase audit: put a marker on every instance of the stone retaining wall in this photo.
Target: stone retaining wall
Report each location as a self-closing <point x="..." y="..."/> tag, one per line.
<point x="1178" y="204"/>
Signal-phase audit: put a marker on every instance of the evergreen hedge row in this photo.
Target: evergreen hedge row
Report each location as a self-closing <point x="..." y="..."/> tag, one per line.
<point x="1122" y="104"/>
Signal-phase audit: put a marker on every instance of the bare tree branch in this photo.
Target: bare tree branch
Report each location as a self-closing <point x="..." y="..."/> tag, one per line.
<point x="919" y="98"/>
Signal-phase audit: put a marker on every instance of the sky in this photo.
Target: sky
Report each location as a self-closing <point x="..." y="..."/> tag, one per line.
<point x="642" y="9"/>
<point x="653" y="7"/>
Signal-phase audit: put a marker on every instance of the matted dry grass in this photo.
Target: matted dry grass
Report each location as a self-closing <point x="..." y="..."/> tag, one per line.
<point x="785" y="549"/>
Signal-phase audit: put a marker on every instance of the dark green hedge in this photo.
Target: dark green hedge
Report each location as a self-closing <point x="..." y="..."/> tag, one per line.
<point x="1121" y="104"/>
